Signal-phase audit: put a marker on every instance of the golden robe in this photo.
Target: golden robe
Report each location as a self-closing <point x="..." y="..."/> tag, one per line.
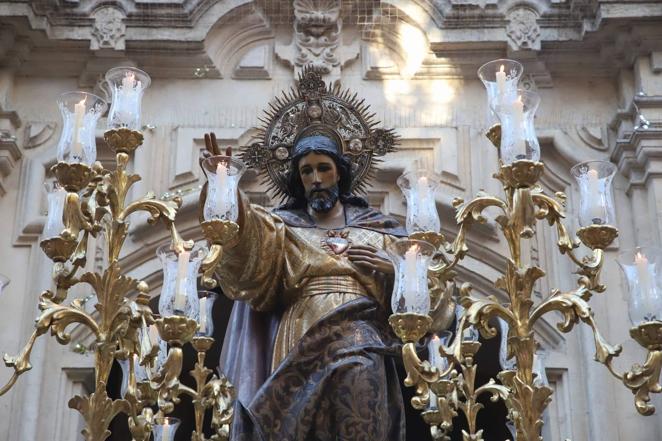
<point x="273" y="265"/>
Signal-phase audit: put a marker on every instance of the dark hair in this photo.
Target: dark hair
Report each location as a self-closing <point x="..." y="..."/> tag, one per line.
<point x="297" y="197"/>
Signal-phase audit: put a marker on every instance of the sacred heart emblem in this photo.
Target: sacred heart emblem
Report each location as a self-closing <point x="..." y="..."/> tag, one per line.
<point x="336" y="242"/>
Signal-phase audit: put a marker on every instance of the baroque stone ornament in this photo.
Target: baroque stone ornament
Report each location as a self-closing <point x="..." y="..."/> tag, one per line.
<point x="317" y="26"/>
<point x="109" y="30"/>
<point x="315" y="108"/>
<point x="523" y="30"/>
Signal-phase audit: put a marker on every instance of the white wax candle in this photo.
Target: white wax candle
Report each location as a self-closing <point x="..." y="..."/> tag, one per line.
<point x="519" y="148"/>
<point x="411" y="274"/>
<point x="79" y="114"/>
<point x="501" y="84"/>
<point x="145" y="344"/>
<point x="435" y="360"/>
<point x="128" y="82"/>
<point x="165" y="436"/>
<point x="641" y="262"/>
<point x="595" y="202"/>
<point x="153" y="335"/>
<point x="203" y="315"/>
<point x="423" y="215"/>
<point x="222" y="198"/>
<point x="181" y="281"/>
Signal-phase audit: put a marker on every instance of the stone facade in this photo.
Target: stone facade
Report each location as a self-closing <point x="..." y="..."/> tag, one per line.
<point x="215" y="64"/>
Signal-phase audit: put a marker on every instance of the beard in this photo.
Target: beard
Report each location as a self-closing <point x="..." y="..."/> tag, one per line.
<point x="322" y="200"/>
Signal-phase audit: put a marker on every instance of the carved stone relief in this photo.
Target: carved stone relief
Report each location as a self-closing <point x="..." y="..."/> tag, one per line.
<point x="109" y="30"/>
<point x="317" y="26"/>
<point x="522" y="29"/>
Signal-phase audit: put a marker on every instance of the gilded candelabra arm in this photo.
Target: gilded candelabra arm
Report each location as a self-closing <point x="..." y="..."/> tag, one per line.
<point x="411" y="327"/>
<point x="218" y="233"/>
<point x="56" y="318"/>
<point x="574" y="308"/>
<point x="642" y="380"/>
<point x="20" y="363"/>
<point x="222" y="396"/>
<point x="478" y="313"/>
<point x="140" y="425"/>
<point x="177" y="331"/>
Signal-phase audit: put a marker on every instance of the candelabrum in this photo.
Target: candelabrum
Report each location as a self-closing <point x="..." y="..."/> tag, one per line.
<point x="89" y="200"/>
<point x="445" y="384"/>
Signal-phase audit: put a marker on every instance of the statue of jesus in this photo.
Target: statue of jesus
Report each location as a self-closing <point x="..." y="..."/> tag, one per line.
<point x="308" y="347"/>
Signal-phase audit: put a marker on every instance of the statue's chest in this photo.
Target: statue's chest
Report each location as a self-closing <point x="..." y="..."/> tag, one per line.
<point x="337" y="242"/>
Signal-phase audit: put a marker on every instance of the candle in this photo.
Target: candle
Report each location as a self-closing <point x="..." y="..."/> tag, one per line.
<point x="641" y="262"/>
<point x="411" y="274"/>
<point x="166" y="430"/>
<point x="422" y="204"/>
<point x="153" y="335"/>
<point x="593" y="188"/>
<point x="222" y="198"/>
<point x="501" y="84"/>
<point x="203" y="315"/>
<point x="76" y="146"/>
<point x="145" y="344"/>
<point x="435" y="360"/>
<point x="519" y="147"/>
<point x="181" y="281"/>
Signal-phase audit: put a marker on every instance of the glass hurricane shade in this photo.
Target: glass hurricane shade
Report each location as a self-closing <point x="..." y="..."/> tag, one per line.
<point x="55" y="198"/>
<point x="641" y="267"/>
<point x="164" y="428"/>
<point x="500" y="78"/>
<point x="411" y="259"/>
<point x="127" y="86"/>
<point x="518" y="133"/>
<point x="223" y="175"/>
<point x="179" y="294"/>
<point x="80" y="112"/>
<point x="596" y="199"/>
<point x="419" y="188"/>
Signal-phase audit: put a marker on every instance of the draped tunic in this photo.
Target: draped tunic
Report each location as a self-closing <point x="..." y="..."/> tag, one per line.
<point x="282" y="261"/>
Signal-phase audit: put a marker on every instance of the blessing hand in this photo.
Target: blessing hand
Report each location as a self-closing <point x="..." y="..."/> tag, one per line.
<point x="371" y="258"/>
<point x="211" y="144"/>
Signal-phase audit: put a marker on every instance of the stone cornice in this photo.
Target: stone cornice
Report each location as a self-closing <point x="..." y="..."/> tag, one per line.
<point x="593" y="38"/>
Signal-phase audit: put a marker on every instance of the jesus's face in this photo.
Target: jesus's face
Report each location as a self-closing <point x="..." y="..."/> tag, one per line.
<point x="319" y="176"/>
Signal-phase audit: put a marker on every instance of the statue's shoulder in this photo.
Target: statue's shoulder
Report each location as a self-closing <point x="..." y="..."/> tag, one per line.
<point x="294" y="217"/>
